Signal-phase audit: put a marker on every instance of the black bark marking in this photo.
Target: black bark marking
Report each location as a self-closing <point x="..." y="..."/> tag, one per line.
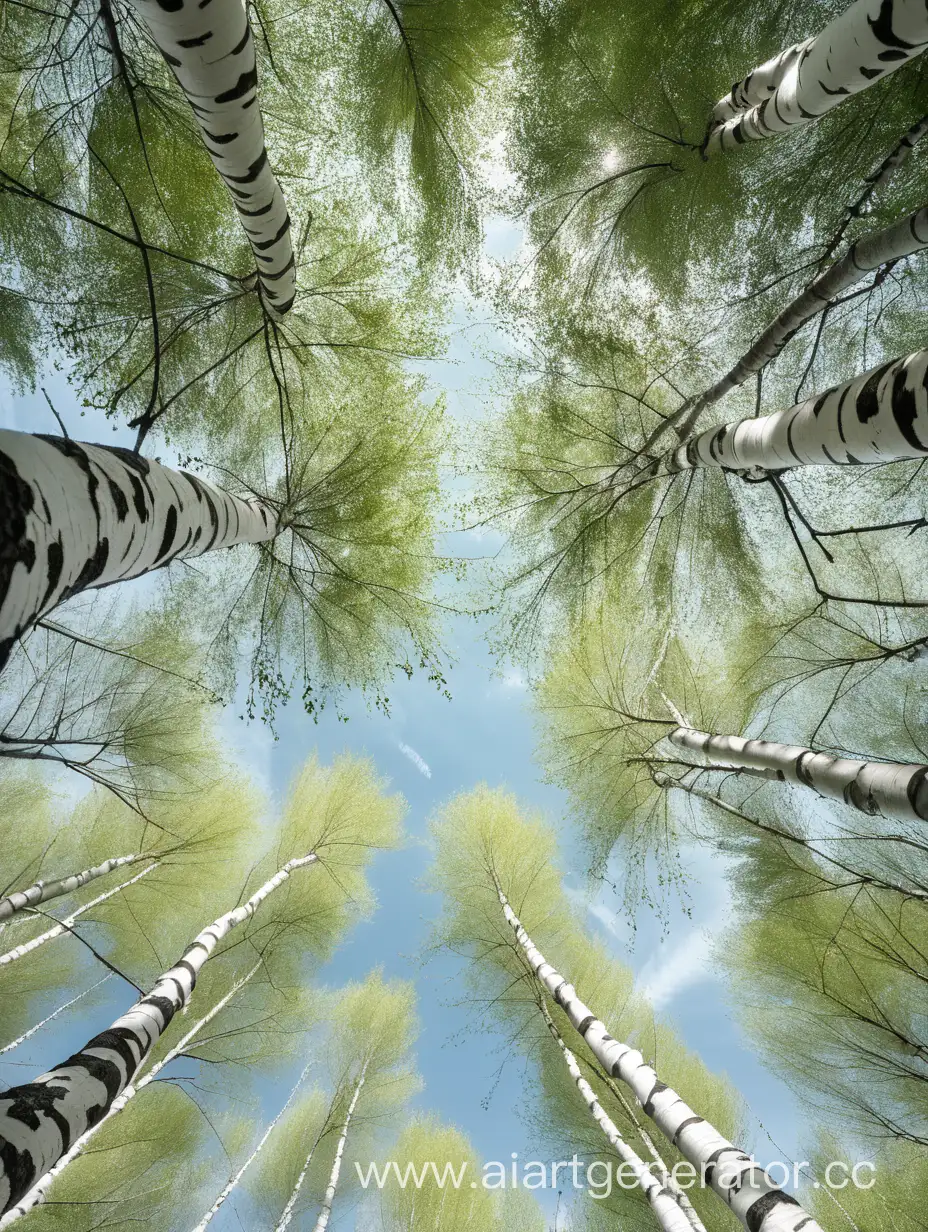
<point x="280" y="273"/>
<point x="905" y="409"/>
<point x="92" y="570"/>
<point x="882" y="27"/>
<point x="118" y="497"/>
<point x="586" y="1024"/>
<point x="253" y="171"/>
<point x="648" y="1104"/>
<point x="758" y="1211"/>
<point x="254" y="213"/>
<point x="170" y="530"/>
<point x="917" y="792"/>
<point x="71" y="449"/>
<point x="54" y="563"/>
<point x="196" y="42"/>
<point x="246" y="82"/>
<point x="282" y="231"/>
<point x="868" y="403"/>
<point x="242" y="43"/>
<point x="17" y="501"/>
<point x="802" y="774"/>
<point x="19" y="1170"/>
<point x="860" y="798"/>
<point x="693" y="1120"/>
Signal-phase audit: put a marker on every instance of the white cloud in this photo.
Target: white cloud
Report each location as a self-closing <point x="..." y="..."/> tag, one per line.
<point x="667" y="974"/>
<point x="419" y="762"/>
<point x="514" y="679"/>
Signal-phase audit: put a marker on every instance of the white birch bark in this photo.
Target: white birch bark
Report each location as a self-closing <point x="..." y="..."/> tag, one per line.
<point x="758" y="86"/>
<point x="664" y="1174"/>
<point x="880" y="416"/>
<point x="39" y="1193"/>
<point x="739" y="1180"/>
<point x="325" y="1212"/>
<point x="20" y="951"/>
<point x="902" y="239"/>
<point x="42" y="891"/>
<point x="211" y="52"/>
<point x="878" y="788"/>
<point x="76" y="516"/>
<point x="661" y="1199"/>
<point x="234" y="1181"/>
<point x="50" y="1017"/>
<point x="868" y="41"/>
<point x="40" y="1120"/>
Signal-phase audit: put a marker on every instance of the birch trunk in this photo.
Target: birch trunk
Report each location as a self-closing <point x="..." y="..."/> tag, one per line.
<point x="662" y="1201"/>
<point x="881" y="416"/>
<point x="868" y="41"/>
<point x="913" y="891"/>
<point x="882" y="789"/>
<point x="50" y="1017"/>
<point x="20" y="951"/>
<point x="39" y="1193"/>
<point x="322" y="1222"/>
<point x="40" y="1120"/>
<point x="77" y="516"/>
<point x="42" y="891"/>
<point x="211" y="52"/>
<point x="758" y="86"/>
<point x="902" y="239"/>
<point x="664" y="1174"/>
<point x="740" y="1181"/>
<point x="214" y="1209"/>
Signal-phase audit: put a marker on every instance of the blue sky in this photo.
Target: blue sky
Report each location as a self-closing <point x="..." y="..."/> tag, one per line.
<point x="431" y="748"/>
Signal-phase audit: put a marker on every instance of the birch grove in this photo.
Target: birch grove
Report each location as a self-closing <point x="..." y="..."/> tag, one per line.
<point x="908" y="236"/>
<point x="667" y="1211"/>
<point x="265" y="252"/>
<point x="66" y="925"/>
<point x="42" y="891"/>
<point x="742" y="1184"/>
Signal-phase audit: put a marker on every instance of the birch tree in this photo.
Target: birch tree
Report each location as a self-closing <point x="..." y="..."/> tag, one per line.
<point x="343" y="539"/>
<point x="606" y="152"/>
<point x="484" y="834"/>
<point x="623" y="727"/>
<point x="876" y="417"/>
<point x="371" y="1068"/>
<point x="221" y="85"/>
<point x="338" y="815"/>
<point x="863" y="44"/>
